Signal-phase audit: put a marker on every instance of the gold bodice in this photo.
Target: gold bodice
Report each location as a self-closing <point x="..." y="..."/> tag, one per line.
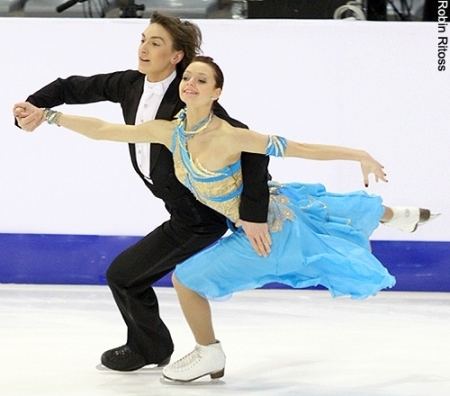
<point x="221" y="189"/>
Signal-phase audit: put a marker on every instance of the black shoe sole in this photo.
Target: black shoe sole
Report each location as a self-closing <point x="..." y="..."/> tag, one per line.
<point x="165" y="362"/>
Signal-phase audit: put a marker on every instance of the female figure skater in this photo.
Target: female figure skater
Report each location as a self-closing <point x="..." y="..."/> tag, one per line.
<point x="318" y="237"/>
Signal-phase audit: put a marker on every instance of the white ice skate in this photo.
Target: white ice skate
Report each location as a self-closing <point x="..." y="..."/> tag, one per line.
<point x="408" y="218"/>
<point x="202" y="361"/>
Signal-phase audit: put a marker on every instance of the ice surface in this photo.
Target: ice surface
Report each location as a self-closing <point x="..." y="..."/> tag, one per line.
<point x="277" y="342"/>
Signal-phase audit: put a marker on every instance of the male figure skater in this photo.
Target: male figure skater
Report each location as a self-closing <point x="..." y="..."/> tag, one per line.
<point x="167" y="47"/>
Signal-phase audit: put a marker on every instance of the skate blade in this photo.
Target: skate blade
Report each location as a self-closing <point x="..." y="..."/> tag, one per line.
<point x="426" y="216"/>
<point x="149" y="368"/>
<point x="200" y="380"/>
<point x="204" y="381"/>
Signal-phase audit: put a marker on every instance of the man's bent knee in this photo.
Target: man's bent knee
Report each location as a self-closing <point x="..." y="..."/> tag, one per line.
<point x="118" y="272"/>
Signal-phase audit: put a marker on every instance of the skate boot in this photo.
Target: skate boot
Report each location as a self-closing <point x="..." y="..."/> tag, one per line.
<point x="125" y="359"/>
<point x="203" y="360"/>
<point x="408" y="218"/>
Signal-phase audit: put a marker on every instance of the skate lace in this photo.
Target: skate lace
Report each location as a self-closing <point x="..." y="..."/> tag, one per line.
<point x="188" y="360"/>
<point x="122" y="351"/>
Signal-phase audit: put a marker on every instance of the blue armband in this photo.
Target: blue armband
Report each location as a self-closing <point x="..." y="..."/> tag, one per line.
<point x="276" y="146"/>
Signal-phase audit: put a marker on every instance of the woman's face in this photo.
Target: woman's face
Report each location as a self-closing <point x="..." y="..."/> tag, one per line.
<point x="157" y="58"/>
<point x="198" y="85"/>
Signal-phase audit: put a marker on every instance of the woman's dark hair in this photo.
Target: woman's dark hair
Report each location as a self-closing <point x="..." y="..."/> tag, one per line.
<point x="186" y="36"/>
<point x="218" y="75"/>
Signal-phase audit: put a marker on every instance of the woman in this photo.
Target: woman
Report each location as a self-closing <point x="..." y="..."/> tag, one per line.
<point x="318" y="237"/>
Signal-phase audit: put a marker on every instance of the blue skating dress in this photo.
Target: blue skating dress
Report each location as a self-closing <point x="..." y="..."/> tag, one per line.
<point x="318" y="237"/>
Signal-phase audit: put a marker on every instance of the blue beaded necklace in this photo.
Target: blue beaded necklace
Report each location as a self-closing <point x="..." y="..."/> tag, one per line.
<point x="198" y="127"/>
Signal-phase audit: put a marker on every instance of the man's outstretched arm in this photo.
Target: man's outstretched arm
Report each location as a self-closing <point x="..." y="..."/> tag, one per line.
<point x="74" y="90"/>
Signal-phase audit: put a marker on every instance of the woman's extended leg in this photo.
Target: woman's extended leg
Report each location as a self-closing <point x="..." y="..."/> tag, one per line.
<point x="387" y="215"/>
<point x="406" y="218"/>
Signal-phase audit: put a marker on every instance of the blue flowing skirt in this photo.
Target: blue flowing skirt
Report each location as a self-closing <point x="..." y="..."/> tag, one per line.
<point x="325" y="243"/>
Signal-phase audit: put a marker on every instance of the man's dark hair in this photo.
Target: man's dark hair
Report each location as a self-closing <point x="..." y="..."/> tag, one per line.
<point x="186" y="36"/>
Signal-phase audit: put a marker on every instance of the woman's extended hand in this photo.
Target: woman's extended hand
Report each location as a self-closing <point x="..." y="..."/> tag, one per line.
<point x="28" y="116"/>
<point x="370" y="165"/>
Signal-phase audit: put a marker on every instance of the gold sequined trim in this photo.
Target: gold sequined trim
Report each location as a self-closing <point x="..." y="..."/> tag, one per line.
<point x="279" y="211"/>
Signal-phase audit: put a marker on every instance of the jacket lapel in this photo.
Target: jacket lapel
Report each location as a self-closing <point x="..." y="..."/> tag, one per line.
<point x="166" y="111"/>
<point x="136" y="90"/>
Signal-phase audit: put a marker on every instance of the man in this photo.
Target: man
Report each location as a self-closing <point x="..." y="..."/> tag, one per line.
<point x="167" y="47"/>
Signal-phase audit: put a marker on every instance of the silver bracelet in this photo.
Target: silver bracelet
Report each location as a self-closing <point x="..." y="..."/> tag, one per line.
<point x="51" y="116"/>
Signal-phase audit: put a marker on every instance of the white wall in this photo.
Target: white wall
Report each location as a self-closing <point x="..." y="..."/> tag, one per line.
<point x="368" y="85"/>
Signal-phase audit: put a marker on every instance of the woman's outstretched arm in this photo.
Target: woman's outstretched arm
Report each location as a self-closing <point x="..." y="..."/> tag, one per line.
<point x="157" y="131"/>
<point x="255" y="142"/>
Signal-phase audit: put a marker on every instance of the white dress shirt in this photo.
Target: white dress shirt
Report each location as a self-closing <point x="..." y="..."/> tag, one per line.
<point x="148" y="106"/>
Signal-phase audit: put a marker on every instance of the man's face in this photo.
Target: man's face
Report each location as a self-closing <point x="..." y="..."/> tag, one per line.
<point x="157" y="58"/>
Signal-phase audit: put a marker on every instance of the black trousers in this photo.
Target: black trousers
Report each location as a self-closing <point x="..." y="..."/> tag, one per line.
<point x="131" y="274"/>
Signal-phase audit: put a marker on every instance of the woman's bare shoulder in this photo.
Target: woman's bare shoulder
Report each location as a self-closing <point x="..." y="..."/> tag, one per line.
<point x="227" y="129"/>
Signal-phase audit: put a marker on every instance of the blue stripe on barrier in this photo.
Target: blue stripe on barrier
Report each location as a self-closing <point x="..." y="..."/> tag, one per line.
<point x="83" y="259"/>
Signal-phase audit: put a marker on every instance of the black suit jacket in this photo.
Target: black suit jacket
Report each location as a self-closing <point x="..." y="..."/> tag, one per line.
<point x="125" y="88"/>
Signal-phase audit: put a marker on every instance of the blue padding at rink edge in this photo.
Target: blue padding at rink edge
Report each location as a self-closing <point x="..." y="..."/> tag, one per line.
<point x="83" y="259"/>
<point x="58" y="259"/>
